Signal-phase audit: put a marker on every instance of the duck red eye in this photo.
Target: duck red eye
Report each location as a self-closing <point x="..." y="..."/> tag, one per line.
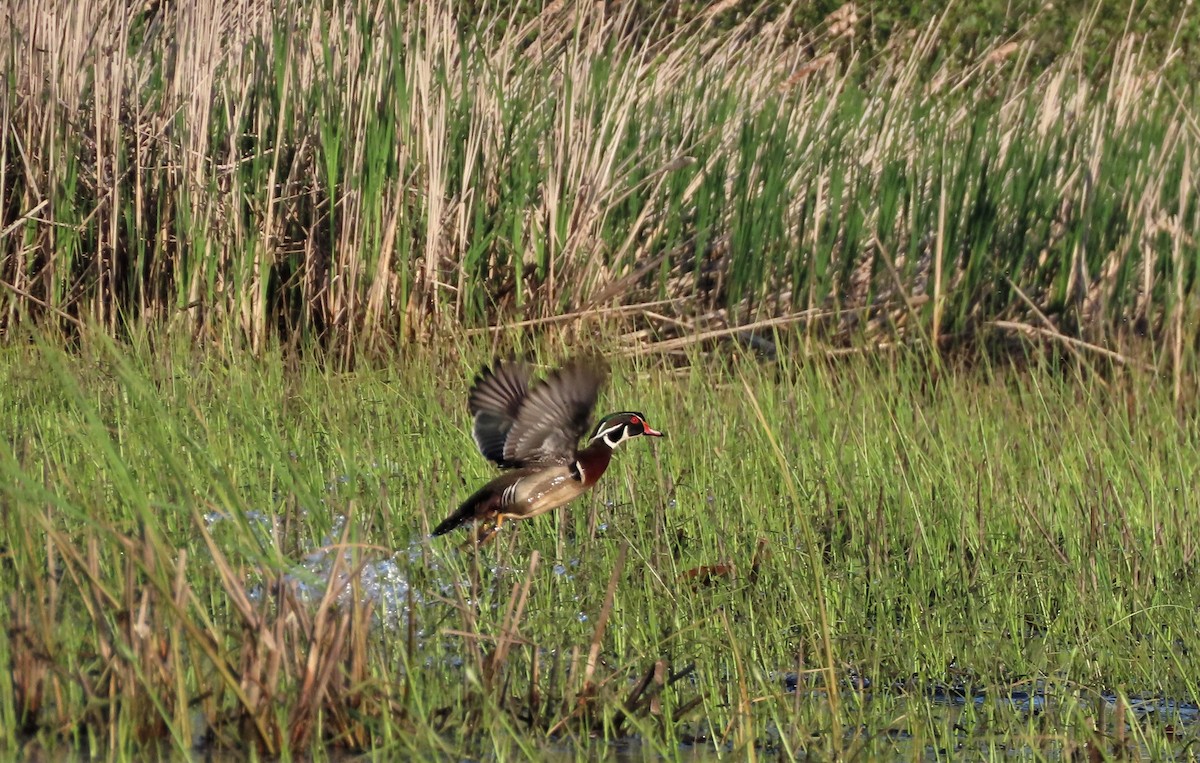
<point x="634" y="420"/>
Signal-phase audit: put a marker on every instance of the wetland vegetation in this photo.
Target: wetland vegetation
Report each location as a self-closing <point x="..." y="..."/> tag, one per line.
<point x="916" y="305"/>
<point x="199" y="551"/>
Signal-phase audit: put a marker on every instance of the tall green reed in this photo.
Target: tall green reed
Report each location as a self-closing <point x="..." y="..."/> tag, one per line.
<point x="367" y="173"/>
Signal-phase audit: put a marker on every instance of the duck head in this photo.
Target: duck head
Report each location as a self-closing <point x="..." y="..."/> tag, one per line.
<point x="616" y="428"/>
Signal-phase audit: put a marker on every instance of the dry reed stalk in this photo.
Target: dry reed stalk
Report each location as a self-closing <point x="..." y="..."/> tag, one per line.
<point x="346" y="171"/>
<point x="938" y="256"/>
<point x="1052" y="333"/>
<point x="672" y="345"/>
<point x="589" y="669"/>
<point x="1045" y="321"/>
<point x="509" y="626"/>
<point x="1185" y="193"/>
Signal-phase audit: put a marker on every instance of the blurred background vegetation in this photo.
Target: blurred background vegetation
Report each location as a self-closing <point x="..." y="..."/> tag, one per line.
<point x="358" y="175"/>
<point x="968" y="27"/>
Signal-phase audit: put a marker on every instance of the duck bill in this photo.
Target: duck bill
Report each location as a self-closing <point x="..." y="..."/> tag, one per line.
<point x="652" y="432"/>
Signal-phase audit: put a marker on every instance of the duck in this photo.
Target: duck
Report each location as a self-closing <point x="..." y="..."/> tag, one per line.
<point x="531" y="429"/>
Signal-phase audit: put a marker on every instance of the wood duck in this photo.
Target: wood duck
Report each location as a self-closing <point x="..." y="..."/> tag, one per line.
<point x="532" y="429"/>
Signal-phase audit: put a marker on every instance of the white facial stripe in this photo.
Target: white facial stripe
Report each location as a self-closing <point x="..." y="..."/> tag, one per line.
<point x="606" y="432"/>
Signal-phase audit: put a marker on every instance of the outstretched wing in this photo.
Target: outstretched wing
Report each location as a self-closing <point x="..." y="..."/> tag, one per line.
<point x="494" y="402"/>
<point x="555" y="414"/>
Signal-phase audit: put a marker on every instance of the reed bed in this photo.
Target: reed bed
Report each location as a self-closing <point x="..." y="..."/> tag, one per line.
<point x="362" y="174"/>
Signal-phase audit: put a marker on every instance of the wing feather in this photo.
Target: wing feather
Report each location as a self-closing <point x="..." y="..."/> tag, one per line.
<point x="555" y="414"/>
<point x="518" y="422"/>
<point x="494" y="402"/>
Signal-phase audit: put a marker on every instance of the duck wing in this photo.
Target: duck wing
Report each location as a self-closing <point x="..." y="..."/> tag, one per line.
<point x="555" y="414"/>
<point x="494" y="401"/>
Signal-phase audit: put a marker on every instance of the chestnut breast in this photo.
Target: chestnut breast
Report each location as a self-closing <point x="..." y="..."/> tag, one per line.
<point x="593" y="462"/>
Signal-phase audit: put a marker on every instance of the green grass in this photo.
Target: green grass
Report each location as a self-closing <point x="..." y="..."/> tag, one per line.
<point x="986" y="530"/>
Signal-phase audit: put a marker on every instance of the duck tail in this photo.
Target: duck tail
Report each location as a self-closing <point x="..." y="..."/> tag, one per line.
<point x="455" y="520"/>
<point x="470" y="509"/>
